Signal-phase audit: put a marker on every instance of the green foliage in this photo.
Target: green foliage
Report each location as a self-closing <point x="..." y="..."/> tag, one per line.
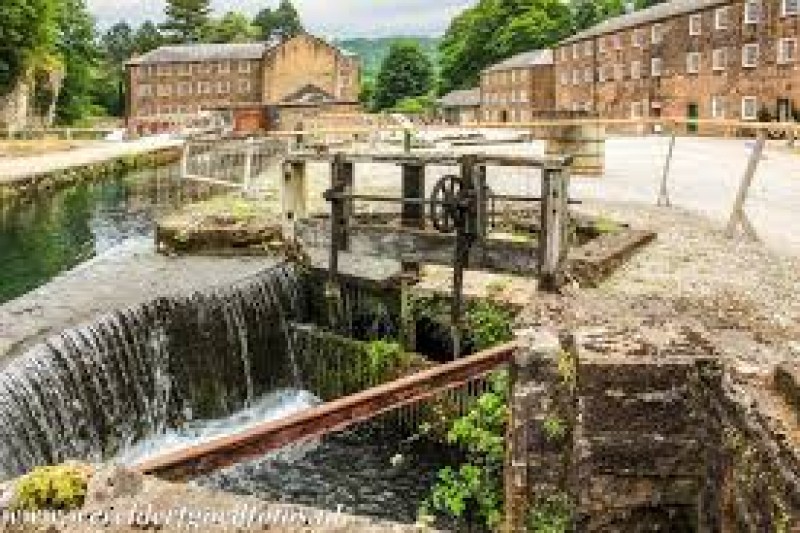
<point x="284" y="20"/>
<point x="406" y="72"/>
<point x="366" y="93"/>
<point x="28" y="31"/>
<point x="551" y="515"/>
<point x="493" y="30"/>
<point x="372" y="52"/>
<point x="419" y="105"/>
<point x="233" y="27"/>
<point x="61" y="488"/>
<point x="147" y="38"/>
<point x="487" y="325"/>
<point x="383" y="356"/>
<point x="187" y="20"/>
<point x="80" y="55"/>
<point x="474" y="491"/>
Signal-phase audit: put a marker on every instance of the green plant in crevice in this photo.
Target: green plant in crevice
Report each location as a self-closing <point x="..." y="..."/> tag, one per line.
<point x="487" y="324"/>
<point x="555" y="429"/>
<point x="551" y="515"/>
<point x="473" y="491"/>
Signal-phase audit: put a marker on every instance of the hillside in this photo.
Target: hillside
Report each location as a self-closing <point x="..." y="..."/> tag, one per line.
<point x="373" y="51"/>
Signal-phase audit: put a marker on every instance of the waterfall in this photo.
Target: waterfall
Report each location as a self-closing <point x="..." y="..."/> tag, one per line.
<point x="96" y="389"/>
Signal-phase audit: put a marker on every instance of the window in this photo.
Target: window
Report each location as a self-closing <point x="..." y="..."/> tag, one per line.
<point x="165" y="90"/>
<point x="790" y="7"/>
<point x="523" y="96"/>
<point x="717" y="107"/>
<point x="752" y="11"/>
<point x="145" y="90"/>
<point x="223" y="87"/>
<point x="164" y="70"/>
<point x="719" y="59"/>
<point x="575" y="51"/>
<point x="151" y="70"/>
<point x="636" y="70"/>
<point x="655" y="67"/>
<point x="749" y="108"/>
<point x="184" y="68"/>
<point x="787" y="50"/>
<point x="244" y="86"/>
<point x="576" y="77"/>
<point x="656" y="33"/>
<point x="750" y="55"/>
<point x="224" y="67"/>
<point x="637" y="110"/>
<point x="638" y="38"/>
<point x="205" y="68"/>
<point x="244" y="67"/>
<point x="601" y="45"/>
<point x="565" y="78"/>
<point x="588" y="75"/>
<point x="184" y="88"/>
<point x="618" y="41"/>
<point x="563" y="54"/>
<point x="693" y="62"/>
<point x="601" y="74"/>
<point x="204" y="87"/>
<point x="721" y="18"/>
<point x="696" y="24"/>
<point x="587" y="48"/>
<point x="619" y="72"/>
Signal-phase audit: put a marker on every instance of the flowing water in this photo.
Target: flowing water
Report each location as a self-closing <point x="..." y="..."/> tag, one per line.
<point x="57" y="231"/>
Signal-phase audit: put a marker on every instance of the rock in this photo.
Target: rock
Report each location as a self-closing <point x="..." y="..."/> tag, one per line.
<point x="113" y="482"/>
<point x="6" y="496"/>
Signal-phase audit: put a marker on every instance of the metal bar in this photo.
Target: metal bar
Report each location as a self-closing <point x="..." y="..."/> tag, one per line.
<point x="737" y="214"/>
<point x="327" y="418"/>
<point x="663" y="195"/>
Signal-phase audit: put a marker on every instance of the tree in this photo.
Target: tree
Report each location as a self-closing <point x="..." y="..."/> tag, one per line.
<point x="232" y="28"/>
<point x="187" y="20"/>
<point x="76" y="45"/>
<point x="147" y="38"/>
<point x="284" y="20"/>
<point x="494" y="30"/>
<point x="28" y="30"/>
<point x="406" y="72"/>
<point x="587" y="13"/>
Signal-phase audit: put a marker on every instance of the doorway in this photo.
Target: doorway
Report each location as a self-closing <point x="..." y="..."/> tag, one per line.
<point x="692" y="113"/>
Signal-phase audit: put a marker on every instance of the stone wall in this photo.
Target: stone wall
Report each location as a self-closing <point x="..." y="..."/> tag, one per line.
<point x="653" y="434"/>
<point x="14" y="107"/>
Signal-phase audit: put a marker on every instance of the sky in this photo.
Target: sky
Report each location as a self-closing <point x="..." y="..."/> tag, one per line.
<point x="326" y="18"/>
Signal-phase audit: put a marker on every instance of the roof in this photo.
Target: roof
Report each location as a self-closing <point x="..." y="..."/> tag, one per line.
<point x="462" y="98"/>
<point x="187" y="53"/>
<point x="525" y="59"/>
<point x="662" y="11"/>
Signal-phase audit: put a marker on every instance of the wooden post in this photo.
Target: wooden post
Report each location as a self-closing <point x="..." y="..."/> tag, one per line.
<point x="738" y="216"/>
<point x="185" y="159"/>
<point x="293" y="195"/>
<point x="249" y="152"/>
<point x="482" y="217"/>
<point x="555" y="221"/>
<point x="407" y="141"/>
<point x="413" y="214"/>
<point x="663" y="194"/>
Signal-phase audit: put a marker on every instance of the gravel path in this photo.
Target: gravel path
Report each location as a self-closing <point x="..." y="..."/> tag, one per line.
<point x="16" y="168"/>
<point x="744" y="296"/>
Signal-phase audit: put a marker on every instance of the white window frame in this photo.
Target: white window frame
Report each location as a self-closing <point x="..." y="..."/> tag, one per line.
<point x="636" y="70"/>
<point x="722" y="18"/>
<point x="601" y="45"/>
<point x="575" y="51"/>
<point x="601" y="74"/>
<point x="637" y="110"/>
<point x="716" y="64"/>
<point x="588" y="75"/>
<point x="790" y="8"/>
<point x="747" y="60"/>
<point x="184" y="88"/>
<point x="696" y="24"/>
<point x="145" y="90"/>
<point x="717" y="107"/>
<point x="588" y="48"/>
<point x="223" y="87"/>
<point x="749" y="100"/>
<point x="164" y="69"/>
<point x="564" y="78"/>
<point x="617" y="41"/>
<point x="164" y="89"/>
<point x="576" y="77"/>
<point x="693" y="60"/>
<point x="205" y="68"/>
<point x="657" y="33"/>
<point x="619" y="72"/>
<point x="752" y="11"/>
<point x="224" y="67"/>
<point x="245" y="67"/>
<point x="783" y="43"/>
<point x="656" y="67"/>
<point x="638" y="38"/>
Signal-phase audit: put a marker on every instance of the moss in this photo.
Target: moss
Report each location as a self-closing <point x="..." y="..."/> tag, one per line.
<point x="568" y="370"/>
<point x="61" y="488"/>
<point x="605" y="226"/>
<point x="555" y="429"/>
<point x="551" y="515"/>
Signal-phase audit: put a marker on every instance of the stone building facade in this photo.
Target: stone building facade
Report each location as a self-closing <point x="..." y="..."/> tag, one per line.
<point x="253" y="86"/>
<point x="704" y="59"/>
<point x="519" y="88"/>
<point x="461" y="107"/>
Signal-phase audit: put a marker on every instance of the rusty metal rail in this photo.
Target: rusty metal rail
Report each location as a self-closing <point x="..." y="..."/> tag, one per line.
<point x="327" y="418"/>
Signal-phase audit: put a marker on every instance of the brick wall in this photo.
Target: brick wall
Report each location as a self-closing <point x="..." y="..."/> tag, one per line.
<point x="514" y="95"/>
<point x="611" y="88"/>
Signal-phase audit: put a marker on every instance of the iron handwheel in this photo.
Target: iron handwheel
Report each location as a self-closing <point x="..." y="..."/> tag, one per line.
<point x="445" y="207"/>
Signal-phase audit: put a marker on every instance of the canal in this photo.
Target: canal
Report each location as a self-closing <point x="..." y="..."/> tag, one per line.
<point x="57" y="231"/>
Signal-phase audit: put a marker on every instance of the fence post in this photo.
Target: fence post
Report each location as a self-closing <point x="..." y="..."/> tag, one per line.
<point x="185" y="160"/>
<point x="663" y="194"/>
<point x="407" y="141"/>
<point x="248" y="165"/>
<point x="738" y="216"/>
<point x="293" y="195"/>
<point x="554" y="225"/>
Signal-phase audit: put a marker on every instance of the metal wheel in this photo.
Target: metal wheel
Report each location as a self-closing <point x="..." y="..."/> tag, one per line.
<point x="445" y="214"/>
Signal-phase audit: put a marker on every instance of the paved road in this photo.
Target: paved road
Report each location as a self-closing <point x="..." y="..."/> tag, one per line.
<point x="15" y="168"/>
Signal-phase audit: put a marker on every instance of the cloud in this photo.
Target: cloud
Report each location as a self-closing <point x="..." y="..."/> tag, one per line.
<point x="328" y="18"/>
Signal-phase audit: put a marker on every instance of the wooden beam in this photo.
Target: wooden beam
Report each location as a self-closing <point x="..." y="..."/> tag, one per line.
<point x="327" y="418"/>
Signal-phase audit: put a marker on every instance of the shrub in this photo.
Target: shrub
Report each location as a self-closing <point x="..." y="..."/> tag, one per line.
<point x="60" y="488"/>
